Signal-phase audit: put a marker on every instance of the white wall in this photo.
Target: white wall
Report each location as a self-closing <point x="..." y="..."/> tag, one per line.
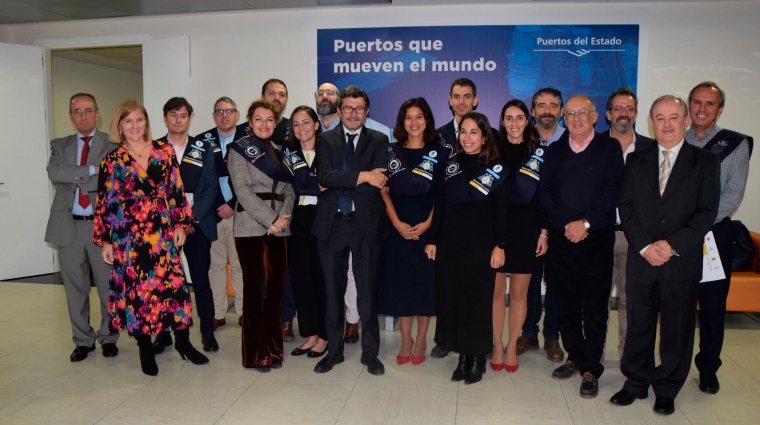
<point x="233" y="53"/>
<point x="109" y="86"/>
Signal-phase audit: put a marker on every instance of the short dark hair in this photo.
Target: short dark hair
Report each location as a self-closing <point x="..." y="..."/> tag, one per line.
<point x="547" y="90"/>
<point x="177" y="103"/>
<point x="83" y="95"/>
<point x="226" y="99"/>
<point x="355" y="93"/>
<point x="464" y="82"/>
<point x="623" y="91"/>
<point x="710" y="85"/>
<point x="669" y="97"/>
<point x="489" y="152"/>
<point x="531" y="138"/>
<point x="273" y="80"/>
<point x="292" y="142"/>
<point x="399" y="132"/>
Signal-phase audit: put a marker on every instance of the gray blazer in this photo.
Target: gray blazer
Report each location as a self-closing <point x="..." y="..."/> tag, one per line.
<point x="258" y="215"/>
<point x="64" y="172"/>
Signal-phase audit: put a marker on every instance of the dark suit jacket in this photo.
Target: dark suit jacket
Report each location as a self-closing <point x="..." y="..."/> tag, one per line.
<point x="642" y="142"/>
<point x="371" y="152"/>
<point x="681" y="216"/>
<point x="448" y="132"/>
<point x="205" y="194"/>
<point x="65" y="172"/>
<point x="220" y="163"/>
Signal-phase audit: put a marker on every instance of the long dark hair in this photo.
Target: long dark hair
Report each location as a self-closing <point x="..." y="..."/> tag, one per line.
<point x="292" y="142"/>
<point x="489" y="152"/>
<point x="430" y="135"/>
<point x="531" y="137"/>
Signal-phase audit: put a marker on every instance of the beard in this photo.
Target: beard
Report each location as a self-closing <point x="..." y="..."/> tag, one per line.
<point x="546" y="125"/>
<point x="327" y="109"/>
<point x="623" y="128"/>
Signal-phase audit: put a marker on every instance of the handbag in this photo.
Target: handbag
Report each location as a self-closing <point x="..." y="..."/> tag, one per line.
<point x="744" y="249"/>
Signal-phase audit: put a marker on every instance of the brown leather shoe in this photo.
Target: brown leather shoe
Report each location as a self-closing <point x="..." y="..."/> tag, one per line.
<point x="525" y="343"/>
<point x="287" y="332"/>
<point x="218" y="323"/>
<point x="553" y="350"/>
<point x="240" y="320"/>
<point x="352" y="333"/>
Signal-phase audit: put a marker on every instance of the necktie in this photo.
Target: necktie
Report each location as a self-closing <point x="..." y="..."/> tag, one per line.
<point x="344" y="201"/>
<point x="664" y="171"/>
<point x="84" y="200"/>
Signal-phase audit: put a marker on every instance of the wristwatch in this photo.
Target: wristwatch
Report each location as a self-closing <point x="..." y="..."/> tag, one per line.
<point x="586" y="224"/>
<point x="500" y="245"/>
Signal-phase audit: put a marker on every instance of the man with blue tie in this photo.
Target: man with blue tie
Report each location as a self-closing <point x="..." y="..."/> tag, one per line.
<point x="73" y="168"/>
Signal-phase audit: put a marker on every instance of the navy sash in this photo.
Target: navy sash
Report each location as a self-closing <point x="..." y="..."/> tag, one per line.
<point x="526" y="179"/>
<point x="253" y="150"/>
<point x="407" y="179"/>
<point x="191" y="166"/>
<point x="304" y="177"/>
<point x="452" y="150"/>
<point x="725" y="141"/>
<point x="460" y="190"/>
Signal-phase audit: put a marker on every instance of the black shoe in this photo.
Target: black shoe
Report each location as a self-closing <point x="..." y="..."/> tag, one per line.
<point x="374" y="365"/>
<point x="327" y="364"/>
<point x="110" y="349"/>
<point x="276" y="364"/>
<point x="475" y="371"/>
<point x="465" y="362"/>
<point x="708" y="382"/>
<point x="315" y="354"/>
<point x="589" y="386"/>
<point x="209" y="342"/>
<point x="80" y="353"/>
<point x="626" y="398"/>
<point x="147" y="357"/>
<point x="566" y="371"/>
<point x="664" y="406"/>
<point x="300" y="351"/>
<point x="186" y="349"/>
<point x="163" y="340"/>
<point x="438" y="352"/>
<point x="264" y="369"/>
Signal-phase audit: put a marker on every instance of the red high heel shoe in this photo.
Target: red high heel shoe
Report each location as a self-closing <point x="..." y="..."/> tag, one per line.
<point x="417" y="360"/>
<point x="511" y="368"/>
<point x="402" y="360"/>
<point x="497" y="367"/>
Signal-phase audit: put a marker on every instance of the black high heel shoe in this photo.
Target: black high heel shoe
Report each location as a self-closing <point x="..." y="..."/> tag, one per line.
<point x="147" y="357"/>
<point x="475" y="370"/>
<point x="185" y="349"/>
<point x="464" y="365"/>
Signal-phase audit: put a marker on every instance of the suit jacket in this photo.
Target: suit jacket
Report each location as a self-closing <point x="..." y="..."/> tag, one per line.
<point x="64" y="171"/>
<point x="448" y="132"/>
<point x="220" y="163"/>
<point x="205" y="192"/>
<point x="257" y="214"/>
<point x="681" y="216"/>
<point x="371" y="152"/>
<point x="642" y="142"/>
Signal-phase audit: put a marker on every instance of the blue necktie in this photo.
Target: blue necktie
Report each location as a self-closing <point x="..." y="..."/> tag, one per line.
<point x="344" y="201"/>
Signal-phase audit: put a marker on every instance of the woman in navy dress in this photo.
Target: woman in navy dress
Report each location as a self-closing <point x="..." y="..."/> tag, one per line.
<point x="415" y="167"/>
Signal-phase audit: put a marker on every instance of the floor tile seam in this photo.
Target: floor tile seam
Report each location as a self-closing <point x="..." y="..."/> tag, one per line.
<point x="740" y="366"/>
<point x="567" y="402"/>
<point x="238" y="398"/>
<point x="356" y="381"/>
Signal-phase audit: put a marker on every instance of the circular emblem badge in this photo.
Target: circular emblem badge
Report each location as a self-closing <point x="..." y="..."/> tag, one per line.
<point x="452" y="169"/>
<point x="394" y="165"/>
<point x="199" y="144"/>
<point x="433" y="154"/>
<point x="486" y="180"/>
<point x="252" y="151"/>
<point x="497" y="168"/>
<point x="195" y="154"/>
<point x="207" y="135"/>
<point x="539" y="152"/>
<point x="533" y="164"/>
<point x="426" y="165"/>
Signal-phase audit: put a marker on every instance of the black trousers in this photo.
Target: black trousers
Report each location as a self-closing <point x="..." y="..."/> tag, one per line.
<point x="582" y="278"/>
<point x="712" y="303"/>
<point x="306" y="274"/>
<point x="345" y="237"/>
<point x="197" y="249"/>
<point x="678" y="301"/>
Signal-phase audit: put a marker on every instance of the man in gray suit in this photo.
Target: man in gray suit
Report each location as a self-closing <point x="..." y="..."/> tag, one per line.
<point x="73" y="167"/>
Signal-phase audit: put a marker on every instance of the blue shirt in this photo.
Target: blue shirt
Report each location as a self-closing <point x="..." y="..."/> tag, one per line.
<point x="332" y="125"/>
<point x="557" y="134"/>
<point x="77" y="209"/>
<point x="224" y="182"/>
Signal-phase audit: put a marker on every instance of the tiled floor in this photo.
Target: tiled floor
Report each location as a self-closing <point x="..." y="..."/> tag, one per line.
<point x="38" y="384"/>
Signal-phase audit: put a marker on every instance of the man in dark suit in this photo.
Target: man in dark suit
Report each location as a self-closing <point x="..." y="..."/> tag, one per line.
<point x="622" y="111"/>
<point x="579" y="191"/>
<point x="196" y="168"/>
<point x="350" y="218"/>
<point x="669" y="201"/>
<point x="73" y="168"/>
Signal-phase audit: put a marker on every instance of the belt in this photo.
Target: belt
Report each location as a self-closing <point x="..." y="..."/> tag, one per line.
<point x="265" y="196"/>
<point x="350" y="216"/>
<point x="617" y="227"/>
<point x="83" y="217"/>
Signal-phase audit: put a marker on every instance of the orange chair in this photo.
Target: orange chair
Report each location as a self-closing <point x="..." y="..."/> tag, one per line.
<point x="744" y="293"/>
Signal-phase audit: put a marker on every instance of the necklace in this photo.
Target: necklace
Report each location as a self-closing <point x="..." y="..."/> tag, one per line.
<point x="133" y="151"/>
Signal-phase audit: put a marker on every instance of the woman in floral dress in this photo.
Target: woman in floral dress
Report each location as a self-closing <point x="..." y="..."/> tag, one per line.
<point x="141" y="217"/>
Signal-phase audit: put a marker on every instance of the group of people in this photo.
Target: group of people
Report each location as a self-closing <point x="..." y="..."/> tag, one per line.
<point x="324" y="213"/>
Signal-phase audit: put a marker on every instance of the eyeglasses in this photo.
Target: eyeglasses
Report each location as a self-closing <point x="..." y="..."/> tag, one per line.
<point x="220" y="112"/>
<point x="87" y="111"/>
<point x="619" y="109"/>
<point x="582" y="114"/>
<point x="325" y="93"/>
<point x="348" y="110"/>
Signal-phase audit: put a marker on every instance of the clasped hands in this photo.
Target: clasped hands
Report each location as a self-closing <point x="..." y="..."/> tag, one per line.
<point x="411" y="232"/>
<point x="658" y="253"/>
<point x="575" y="231"/>
<point x="279" y="224"/>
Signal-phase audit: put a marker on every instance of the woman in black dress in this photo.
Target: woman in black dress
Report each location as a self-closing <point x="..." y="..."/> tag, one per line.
<point x="303" y="257"/>
<point x="415" y="167"/>
<point x="527" y="229"/>
<point x="467" y="240"/>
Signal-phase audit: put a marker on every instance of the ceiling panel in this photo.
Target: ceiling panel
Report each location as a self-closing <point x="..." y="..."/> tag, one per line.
<point x="84" y="10"/>
<point x="146" y="7"/>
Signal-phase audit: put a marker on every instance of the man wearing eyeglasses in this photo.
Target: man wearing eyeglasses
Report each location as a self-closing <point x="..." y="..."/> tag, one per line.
<point x="225" y="115"/>
<point x="73" y="168"/>
<point x="579" y="191"/>
<point x="350" y="218"/>
<point x="622" y="111"/>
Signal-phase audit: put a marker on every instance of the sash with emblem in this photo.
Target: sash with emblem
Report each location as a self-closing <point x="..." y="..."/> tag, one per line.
<point x="304" y="177"/>
<point x="726" y="141"/>
<point x="253" y="150"/>
<point x="407" y="181"/>
<point x="459" y="190"/>
<point x="526" y="179"/>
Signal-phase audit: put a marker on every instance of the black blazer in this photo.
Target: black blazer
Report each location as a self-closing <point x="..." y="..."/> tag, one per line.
<point x="681" y="216"/>
<point x="371" y="152"/>
<point x="642" y="142"/>
<point x="449" y="134"/>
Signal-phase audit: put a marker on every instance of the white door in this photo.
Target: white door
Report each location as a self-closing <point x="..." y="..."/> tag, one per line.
<point x="166" y="74"/>
<point x="24" y="192"/>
